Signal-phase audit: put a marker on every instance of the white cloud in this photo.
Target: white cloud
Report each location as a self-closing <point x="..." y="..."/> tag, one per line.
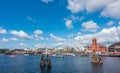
<point x="38" y="32"/>
<point x="40" y="38"/>
<point x="40" y="45"/>
<point x="78" y="33"/>
<point x="89" y="5"/>
<point x="73" y="17"/>
<point x="105" y="36"/>
<point x="14" y="39"/>
<point x="70" y="19"/>
<point x="71" y="35"/>
<point x="68" y="43"/>
<point x="46" y="39"/>
<point x="119" y="22"/>
<point x="8" y="39"/>
<point x="110" y="23"/>
<point x="90" y="26"/>
<point x="75" y="6"/>
<point x="2" y="31"/>
<point x="56" y="38"/>
<point x="31" y="19"/>
<point x="20" y="33"/>
<point x="113" y="33"/>
<point x="59" y="44"/>
<point x="84" y="39"/>
<point x="93" y="5"/>
<point x="23" y="44"/>
<point x="5" y="40"/>
<point x="68" y="24"/>
<point x="47" y="1"/>
<point x="112" y="10"/>
<point x="108" y="8"/>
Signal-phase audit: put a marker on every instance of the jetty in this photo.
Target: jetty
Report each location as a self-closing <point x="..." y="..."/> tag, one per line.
<point x="94" y="58"/>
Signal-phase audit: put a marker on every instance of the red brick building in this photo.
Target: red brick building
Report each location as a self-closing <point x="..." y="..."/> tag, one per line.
<point x="96" y="47"/>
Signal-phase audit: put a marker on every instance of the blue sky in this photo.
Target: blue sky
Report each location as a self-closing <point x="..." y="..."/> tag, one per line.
<point x="58" y="23"/>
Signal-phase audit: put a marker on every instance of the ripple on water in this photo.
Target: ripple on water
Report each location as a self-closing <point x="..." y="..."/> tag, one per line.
<point x="30" y="64"/>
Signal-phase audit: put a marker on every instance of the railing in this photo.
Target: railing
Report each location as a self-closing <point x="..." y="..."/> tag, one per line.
<point x="114" y="53"/>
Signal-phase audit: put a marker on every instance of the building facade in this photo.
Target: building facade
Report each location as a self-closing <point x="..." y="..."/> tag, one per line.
<point x="96" y="47"/>
<point x="114" y="47"/>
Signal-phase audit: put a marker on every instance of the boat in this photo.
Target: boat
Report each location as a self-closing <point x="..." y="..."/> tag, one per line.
<point x="54" y="55"/>
<point x="57" y="55"/>
<point x="70" y="54"/>
<point x="12" y="56"/>
<point x="60" y="55"/>
<point x="26" y="54"/>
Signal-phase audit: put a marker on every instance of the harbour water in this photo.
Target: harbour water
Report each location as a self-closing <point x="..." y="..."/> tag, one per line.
<point x="68" y="64"/>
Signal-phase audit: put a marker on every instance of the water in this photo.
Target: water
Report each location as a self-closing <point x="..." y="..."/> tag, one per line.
<point x="30" y="64"/>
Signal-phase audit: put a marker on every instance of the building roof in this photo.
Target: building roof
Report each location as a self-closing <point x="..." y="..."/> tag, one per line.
<point x="118" y="43"/>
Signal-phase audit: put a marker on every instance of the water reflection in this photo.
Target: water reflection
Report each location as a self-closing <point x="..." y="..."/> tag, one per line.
<point x="97" y="68"/>
<point x="45" y="69"/>
<point x="31" y="64"/>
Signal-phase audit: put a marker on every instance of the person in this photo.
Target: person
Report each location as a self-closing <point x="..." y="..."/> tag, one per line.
<point x="42" y="57"/>
<point x="95" y="58"/>
<point x="48" y="61"/>
<point x="100" y="60"/>
<point x="42" y="62"/>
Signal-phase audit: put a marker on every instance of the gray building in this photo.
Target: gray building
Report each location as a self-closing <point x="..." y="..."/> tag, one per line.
<point x="114" y="47"/>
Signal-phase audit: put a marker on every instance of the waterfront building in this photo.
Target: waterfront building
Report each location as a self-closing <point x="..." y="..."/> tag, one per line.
<point x="114" y="47"/>
<point x="97" y="47"/>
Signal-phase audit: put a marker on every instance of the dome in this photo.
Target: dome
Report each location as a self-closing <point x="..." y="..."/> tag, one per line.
<point x="114" y="47"/>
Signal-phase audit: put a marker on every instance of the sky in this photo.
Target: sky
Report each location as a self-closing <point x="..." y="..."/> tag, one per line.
<point x="58" y="23"/>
